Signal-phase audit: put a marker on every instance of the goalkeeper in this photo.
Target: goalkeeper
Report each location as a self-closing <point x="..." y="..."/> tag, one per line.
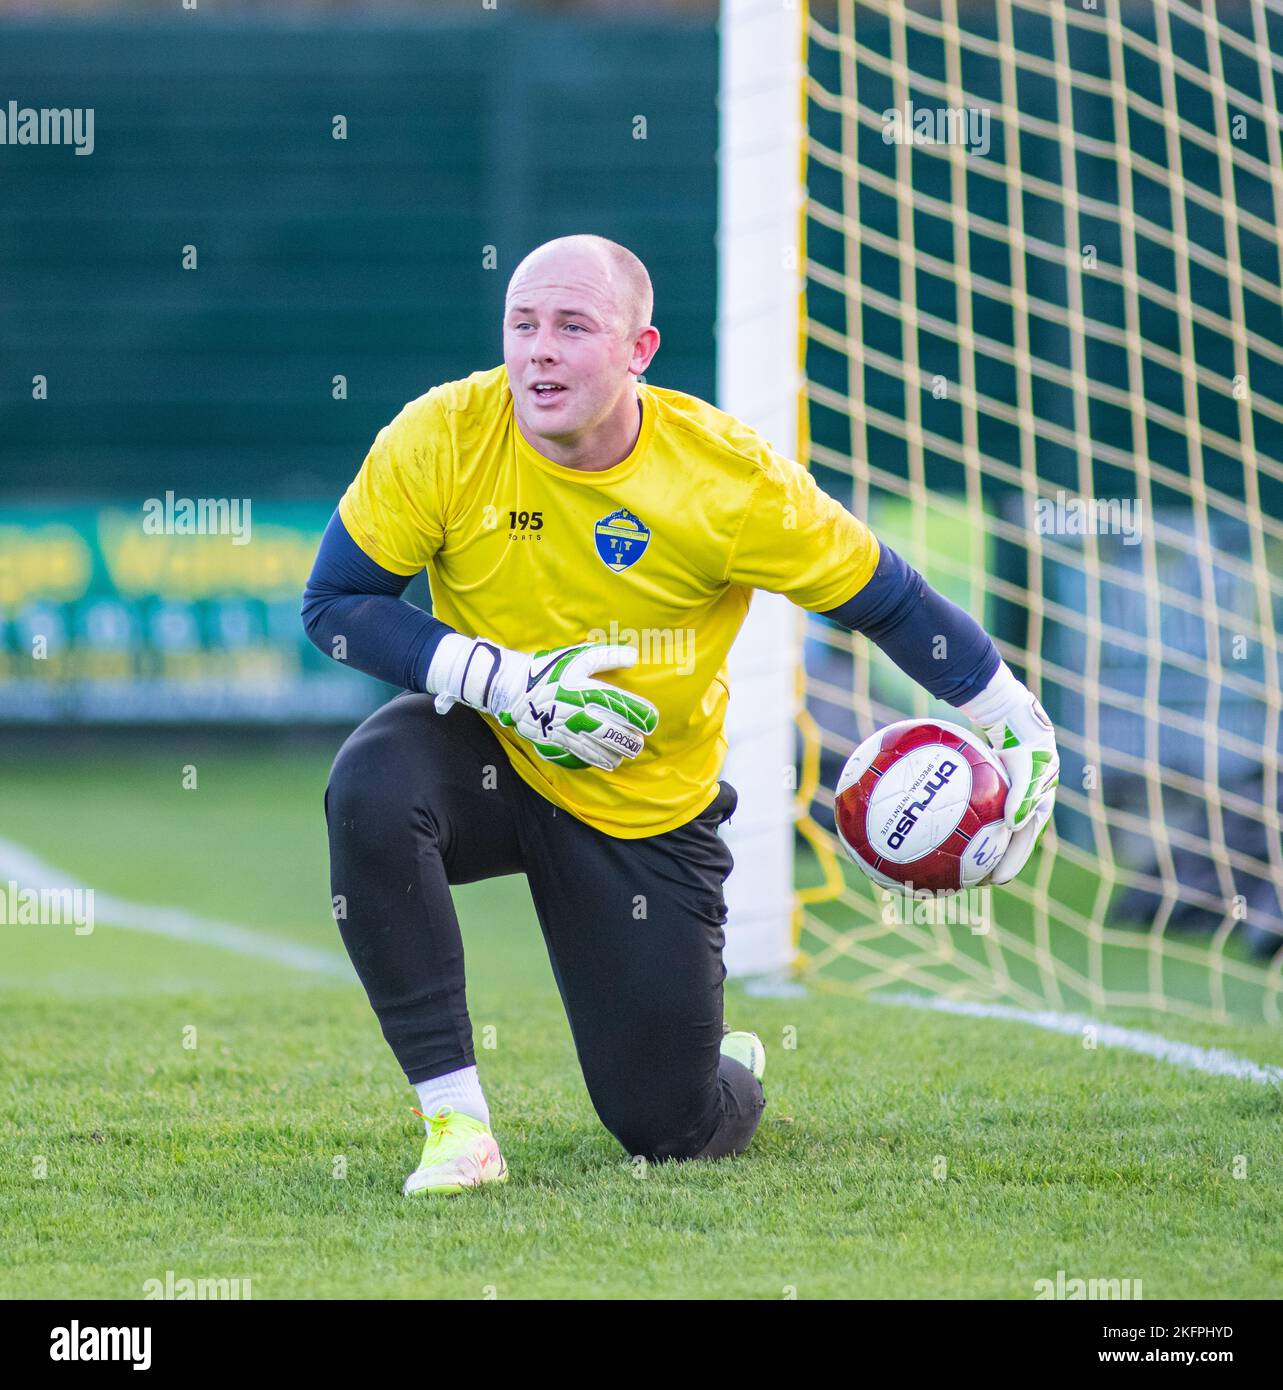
<point x="552" y="499"/>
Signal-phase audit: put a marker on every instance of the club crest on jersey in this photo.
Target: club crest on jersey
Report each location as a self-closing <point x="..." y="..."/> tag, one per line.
<point x="622" y="538"/>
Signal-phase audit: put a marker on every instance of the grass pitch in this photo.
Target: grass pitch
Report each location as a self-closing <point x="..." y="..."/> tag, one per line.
<point x="168" y="1106"/>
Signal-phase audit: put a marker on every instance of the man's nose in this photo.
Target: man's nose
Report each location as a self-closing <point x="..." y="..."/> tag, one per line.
<point x="544" y="345"/>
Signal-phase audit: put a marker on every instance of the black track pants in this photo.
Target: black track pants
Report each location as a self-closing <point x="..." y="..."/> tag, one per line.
<point x="634" y="928"/>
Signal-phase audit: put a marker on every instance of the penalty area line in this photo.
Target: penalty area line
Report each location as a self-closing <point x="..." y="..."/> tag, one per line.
<point x="1212" y="1061"/>
<point x="19" y="864"/>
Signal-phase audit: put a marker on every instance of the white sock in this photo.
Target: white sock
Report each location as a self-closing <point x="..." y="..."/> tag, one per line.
<point x="460" y="1089"/>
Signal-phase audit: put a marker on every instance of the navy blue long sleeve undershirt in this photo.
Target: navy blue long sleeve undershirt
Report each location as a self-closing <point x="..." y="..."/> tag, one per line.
<point x="348" y="595"/>
<point x="906" y="617"/>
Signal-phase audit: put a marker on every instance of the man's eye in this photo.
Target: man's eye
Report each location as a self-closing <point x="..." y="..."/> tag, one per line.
<point x="579" y="326"/>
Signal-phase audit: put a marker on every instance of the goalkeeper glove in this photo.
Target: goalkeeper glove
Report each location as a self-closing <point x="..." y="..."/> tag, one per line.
<point x="549" y="698"/>
<point x="1020" y="733"/>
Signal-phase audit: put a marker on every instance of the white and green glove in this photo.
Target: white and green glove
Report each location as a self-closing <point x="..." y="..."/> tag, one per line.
<point x="1020" y="733"/>
<point x="550" y="698"/>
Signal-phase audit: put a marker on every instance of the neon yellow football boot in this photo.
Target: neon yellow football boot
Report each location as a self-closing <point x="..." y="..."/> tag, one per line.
<point x="459" y="1152"/>
<point x="747" y="1049"/>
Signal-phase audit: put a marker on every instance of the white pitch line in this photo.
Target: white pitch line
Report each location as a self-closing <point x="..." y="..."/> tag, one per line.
<point x="1214" y="1061"/>
<point x="178" y="924"/>
<point x="22" y="866"/>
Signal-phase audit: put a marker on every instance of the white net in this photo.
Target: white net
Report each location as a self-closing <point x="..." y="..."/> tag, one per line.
<point x="1043" y="356"/>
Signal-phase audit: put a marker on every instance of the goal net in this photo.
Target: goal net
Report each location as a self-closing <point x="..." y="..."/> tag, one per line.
<point x="1042" y="351"/>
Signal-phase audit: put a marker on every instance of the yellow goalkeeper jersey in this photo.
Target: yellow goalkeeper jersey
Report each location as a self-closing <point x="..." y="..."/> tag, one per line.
<point x="661" y="552"/>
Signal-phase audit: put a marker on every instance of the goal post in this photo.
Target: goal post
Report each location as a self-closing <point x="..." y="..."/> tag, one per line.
<point x="759" y="381"/>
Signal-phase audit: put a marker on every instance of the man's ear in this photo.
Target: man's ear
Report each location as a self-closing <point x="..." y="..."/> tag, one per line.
<point x="644" y="349"/>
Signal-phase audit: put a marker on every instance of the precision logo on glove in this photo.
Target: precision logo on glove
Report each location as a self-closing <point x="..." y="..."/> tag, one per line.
<point x="625" y="741"/>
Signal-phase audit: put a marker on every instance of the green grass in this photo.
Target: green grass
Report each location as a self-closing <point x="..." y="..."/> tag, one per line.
<point x="902" y="1153"/>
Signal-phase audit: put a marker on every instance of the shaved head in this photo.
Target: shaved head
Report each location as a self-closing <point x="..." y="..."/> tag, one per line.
<point x="624" y="281"/>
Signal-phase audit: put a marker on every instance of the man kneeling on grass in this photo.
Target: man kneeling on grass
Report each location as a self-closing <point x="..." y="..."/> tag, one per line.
<point x="550" y="499"/>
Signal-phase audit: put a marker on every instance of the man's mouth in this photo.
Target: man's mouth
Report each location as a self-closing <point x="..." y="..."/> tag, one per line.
<point x="547" y="390"/>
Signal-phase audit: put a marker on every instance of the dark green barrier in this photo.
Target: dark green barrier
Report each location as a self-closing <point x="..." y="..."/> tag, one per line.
<point x="316" y="258"/>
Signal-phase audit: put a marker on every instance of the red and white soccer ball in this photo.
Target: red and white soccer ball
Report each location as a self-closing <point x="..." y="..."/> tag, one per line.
<point x="919" y="804"/>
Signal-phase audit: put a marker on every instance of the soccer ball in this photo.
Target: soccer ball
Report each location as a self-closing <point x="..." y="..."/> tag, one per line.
<point x="919" y="806"/>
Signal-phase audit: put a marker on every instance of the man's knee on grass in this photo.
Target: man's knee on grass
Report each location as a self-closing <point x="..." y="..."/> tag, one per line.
<point x="661" y="1150"/>
<point x="725" y="1136"/>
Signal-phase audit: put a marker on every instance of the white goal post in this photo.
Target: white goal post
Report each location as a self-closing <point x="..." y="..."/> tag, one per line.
<point x="758" y="381"/>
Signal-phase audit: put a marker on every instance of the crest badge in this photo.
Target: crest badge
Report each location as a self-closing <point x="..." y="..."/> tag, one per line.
<point x="622" y="538"/>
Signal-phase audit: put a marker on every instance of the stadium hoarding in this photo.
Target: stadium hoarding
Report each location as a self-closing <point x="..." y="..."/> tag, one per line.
<point x="108" y="618"/>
